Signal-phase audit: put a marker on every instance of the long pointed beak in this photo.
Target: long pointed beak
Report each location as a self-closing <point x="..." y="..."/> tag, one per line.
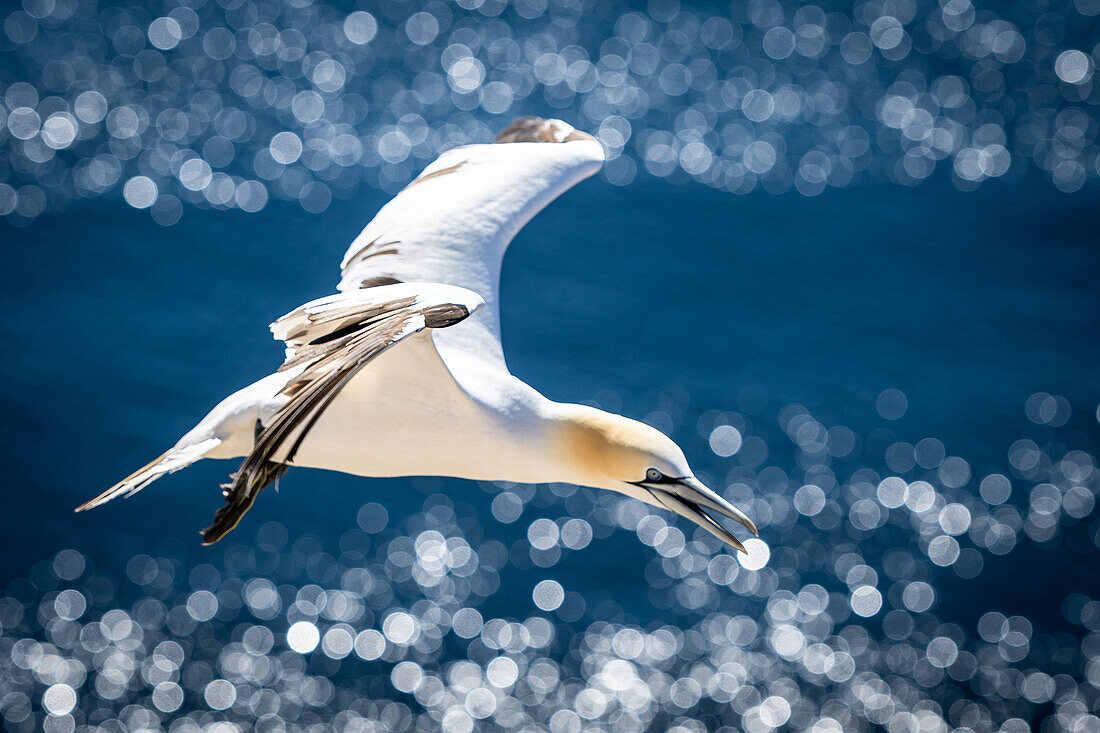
<point x="688" y="497"/>
<point x="696" y="491"/>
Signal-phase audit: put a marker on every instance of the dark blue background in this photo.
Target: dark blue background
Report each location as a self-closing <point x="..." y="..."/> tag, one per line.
<point x="120" y="335"/>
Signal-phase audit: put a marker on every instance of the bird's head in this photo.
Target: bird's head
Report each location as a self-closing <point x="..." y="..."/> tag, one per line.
<point x="609" y="451"/>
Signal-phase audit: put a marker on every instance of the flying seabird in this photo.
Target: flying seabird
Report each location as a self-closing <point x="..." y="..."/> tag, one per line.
<point x="401" y="372"/>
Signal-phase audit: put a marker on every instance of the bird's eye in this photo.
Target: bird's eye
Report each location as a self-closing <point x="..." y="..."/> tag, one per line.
<point x="653" y="475"/>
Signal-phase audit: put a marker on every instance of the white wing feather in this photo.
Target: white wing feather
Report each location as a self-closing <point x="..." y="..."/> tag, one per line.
<point x="453" y="223"/>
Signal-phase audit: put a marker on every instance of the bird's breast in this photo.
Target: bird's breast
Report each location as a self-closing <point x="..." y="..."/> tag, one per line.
<point x="408" y="414"/>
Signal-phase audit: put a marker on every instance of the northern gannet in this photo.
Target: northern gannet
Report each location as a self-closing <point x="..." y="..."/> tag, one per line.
<point x="401" y="372"/>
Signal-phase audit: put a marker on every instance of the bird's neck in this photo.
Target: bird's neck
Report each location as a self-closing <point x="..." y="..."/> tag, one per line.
<point x="577" y="436"/>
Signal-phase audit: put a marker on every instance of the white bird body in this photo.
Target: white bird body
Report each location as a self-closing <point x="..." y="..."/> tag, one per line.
<point x="402" y="373"/>
<point x="408" y="413"/>
<point x="415" y="415"/>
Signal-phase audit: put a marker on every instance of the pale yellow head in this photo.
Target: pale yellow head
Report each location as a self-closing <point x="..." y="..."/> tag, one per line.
<point x="607" y="451"/>
<point x="611" y="449"/>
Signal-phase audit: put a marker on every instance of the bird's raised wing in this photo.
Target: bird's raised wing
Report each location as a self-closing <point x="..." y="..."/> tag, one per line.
<point x="329" y="340"/>
<point x="453" y="223"/>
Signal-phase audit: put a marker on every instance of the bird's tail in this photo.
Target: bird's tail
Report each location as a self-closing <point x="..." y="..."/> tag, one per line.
<point x="179" y="457"/>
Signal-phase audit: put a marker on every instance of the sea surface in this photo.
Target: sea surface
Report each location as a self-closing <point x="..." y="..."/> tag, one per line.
<point x="844" y="254"/>
<point x="664" y="302"/>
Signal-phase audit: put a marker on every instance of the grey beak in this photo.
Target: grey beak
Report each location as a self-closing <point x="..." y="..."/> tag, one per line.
<point x="694" y="490"/>
<point x="688" y="497"/>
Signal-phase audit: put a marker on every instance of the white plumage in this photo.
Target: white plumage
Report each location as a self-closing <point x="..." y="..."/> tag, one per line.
<point x="402" y="373"/>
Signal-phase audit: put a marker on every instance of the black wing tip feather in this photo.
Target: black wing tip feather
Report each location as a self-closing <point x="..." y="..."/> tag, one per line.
<point x="240" y="495"/>
<point x="538" y="130"/>
<point x="442" y="316"/>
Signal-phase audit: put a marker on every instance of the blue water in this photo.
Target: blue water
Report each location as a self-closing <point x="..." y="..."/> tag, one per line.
<point x="650" y="298"/>
<point x="122" y="334"/>
<point x="756" y="271"/>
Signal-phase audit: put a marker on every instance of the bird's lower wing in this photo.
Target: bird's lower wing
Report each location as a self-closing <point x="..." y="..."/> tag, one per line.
<point x="328" y="342"/>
